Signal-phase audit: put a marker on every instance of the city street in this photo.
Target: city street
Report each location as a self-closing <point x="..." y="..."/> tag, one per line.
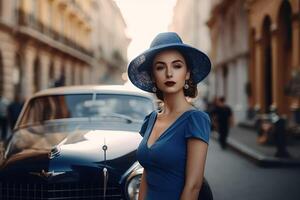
<point x="232" y="177"/>
<point x="78" y="79"/>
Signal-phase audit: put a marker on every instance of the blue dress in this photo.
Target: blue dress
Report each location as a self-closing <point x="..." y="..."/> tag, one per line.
<point x="165" y="160"/>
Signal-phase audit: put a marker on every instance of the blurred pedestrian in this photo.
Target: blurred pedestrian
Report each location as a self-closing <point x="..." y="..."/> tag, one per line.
<point x="175" y="141"/>
<point x="3" y="116"/>
<point x="60" y="81"/>
<point x="14" y="110"/>
<point x="211" y="106"/>
<point x="224" y="120"/>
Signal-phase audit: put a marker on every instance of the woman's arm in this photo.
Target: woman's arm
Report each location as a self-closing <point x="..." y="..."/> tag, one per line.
<point x="196" y="158"/>
<point x="143" y="186"/>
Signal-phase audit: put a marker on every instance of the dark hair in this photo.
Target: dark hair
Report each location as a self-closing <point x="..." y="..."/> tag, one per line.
<point x="192" y="91"/>
<point x="222" y="99"/>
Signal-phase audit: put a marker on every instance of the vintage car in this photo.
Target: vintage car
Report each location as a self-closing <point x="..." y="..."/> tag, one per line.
<point x="76" y="142"/>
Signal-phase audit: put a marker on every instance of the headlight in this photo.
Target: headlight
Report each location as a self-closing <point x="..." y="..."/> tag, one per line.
<point x="133" y="187"/>
<point x="132" y="181"/>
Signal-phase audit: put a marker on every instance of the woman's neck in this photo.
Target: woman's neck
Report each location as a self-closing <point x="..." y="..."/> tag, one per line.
<point x="175" y="103"/>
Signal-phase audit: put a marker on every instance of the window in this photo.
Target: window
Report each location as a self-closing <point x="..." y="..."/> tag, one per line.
<point x="134" y="107"/>
<point x="54" y="107"/>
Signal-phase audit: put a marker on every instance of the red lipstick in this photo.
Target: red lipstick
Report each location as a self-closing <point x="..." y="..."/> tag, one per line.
<point x="170" y="83"/>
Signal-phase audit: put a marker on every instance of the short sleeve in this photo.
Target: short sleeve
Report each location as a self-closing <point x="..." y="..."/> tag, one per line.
<point x="198" y="126"/>
<point x="144" y="125"/>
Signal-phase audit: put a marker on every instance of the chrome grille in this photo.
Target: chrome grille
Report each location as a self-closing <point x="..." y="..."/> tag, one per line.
<point x="26" y="191"/>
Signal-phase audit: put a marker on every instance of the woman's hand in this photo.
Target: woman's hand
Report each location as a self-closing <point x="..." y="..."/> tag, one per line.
<point x="195" y="163"/>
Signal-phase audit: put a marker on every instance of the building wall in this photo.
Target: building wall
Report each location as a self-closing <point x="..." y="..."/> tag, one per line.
<point x="275" y="37"/>
<point x="36" y="40"/>
<point x="109" y="41"/>
<point x="260" y="51"/>
<point x="43" y="42"/>
<point x="228" y="25"/>
<point x="189" y="21"/>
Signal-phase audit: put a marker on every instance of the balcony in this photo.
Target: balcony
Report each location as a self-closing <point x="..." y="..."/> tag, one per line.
<point x="30" y="21"/>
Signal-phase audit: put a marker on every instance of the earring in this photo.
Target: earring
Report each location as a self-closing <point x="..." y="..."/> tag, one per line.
<point x="154" y="89"/>
<point x="186" y="85"/>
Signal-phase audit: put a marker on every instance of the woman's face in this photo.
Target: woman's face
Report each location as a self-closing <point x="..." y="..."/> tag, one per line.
<point x="170" y="71"/>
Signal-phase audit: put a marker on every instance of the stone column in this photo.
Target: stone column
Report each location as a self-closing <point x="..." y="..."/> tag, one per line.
<point x="68" y="71"/>
<point x="95" y="72"/>
<point x="80" y="74"/>
<point x="102" y="70"/>
<point x="8" y="52"/>
<point x="296" y="41"/>
<point x="84" y="74"/>
<point x="73" y="73"/>
<point x="57" y="67"/>
<point x="276" y="78"/>
<point x="76" y="69"/>
<point x="258" y="82"/>
<point x="251" y="70"/>
<point x="220" y="82"/>
<point x="45" y="64"/>
<point x="87" y="74"/>
<point x="8" y="11"/>
<point x="27" y="79"/>
<point x="296" y="48"/>
<point x="240" y="100"/>
<point x="231" y="84"/>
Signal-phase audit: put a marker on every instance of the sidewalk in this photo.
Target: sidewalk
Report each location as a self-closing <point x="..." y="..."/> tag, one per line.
<point x="243" y="140"/>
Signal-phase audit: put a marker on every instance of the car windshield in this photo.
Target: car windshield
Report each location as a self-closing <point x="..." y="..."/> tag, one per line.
<point x="81" y="106"/>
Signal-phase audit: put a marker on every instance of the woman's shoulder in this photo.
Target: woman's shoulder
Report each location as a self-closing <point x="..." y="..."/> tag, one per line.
<point x="145" y="123"/>
<point x="198" y="126"/>
<point x="196" y="113"/>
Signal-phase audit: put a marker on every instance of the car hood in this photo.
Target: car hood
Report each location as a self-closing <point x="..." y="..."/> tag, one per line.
<point x="81" y="154"/>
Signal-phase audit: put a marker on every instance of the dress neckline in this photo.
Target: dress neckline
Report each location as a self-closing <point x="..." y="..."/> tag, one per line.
<point x="167" y="129"/>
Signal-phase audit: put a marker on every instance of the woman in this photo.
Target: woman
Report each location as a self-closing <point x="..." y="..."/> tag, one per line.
<point x="175" y="141"/>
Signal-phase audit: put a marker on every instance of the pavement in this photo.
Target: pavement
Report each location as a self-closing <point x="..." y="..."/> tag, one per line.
<point x="243" y="140"/>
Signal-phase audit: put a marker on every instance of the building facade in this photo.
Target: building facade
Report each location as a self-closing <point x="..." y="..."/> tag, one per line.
<point x="110" y="42"/>
<point x="229" y="27"/>
<point x="255" y="50"/>
<point x="50" y="43"/>
<point x="189" y="21"/>
<point x="275" y="59"/>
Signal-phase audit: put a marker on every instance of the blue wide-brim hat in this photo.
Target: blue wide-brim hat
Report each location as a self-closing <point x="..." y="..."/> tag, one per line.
<point x="139" y="69"/>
